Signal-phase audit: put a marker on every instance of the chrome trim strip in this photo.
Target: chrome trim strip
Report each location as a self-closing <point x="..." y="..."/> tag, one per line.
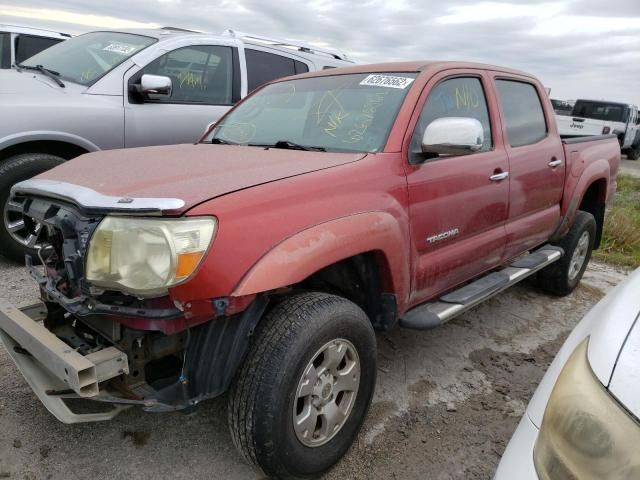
<point x="90" y="199"/>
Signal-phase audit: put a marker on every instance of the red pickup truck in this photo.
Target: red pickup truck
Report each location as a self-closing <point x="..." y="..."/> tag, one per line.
<point x="261" y="260"/>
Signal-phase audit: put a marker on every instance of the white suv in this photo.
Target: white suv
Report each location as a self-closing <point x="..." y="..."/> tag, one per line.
<point x="19" y="43"/>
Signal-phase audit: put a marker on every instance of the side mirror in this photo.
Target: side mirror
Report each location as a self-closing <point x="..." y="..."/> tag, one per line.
<point x="155" y="87"/>
<point x="453" y="136"/>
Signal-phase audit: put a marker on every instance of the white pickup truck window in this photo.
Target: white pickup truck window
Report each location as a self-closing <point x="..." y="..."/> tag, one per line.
<point x="199" y="74"/>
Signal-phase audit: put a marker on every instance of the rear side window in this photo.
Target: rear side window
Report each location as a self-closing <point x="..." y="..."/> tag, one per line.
<point x="27" y="46"/>
<point x="5" y="50"/>
<point x="262" y="67"/>
<point x="608" y="112"/>
<point x="523" y="114"/>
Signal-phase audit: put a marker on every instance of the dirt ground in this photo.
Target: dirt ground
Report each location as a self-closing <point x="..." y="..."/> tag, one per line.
<point x="446" y="403"/>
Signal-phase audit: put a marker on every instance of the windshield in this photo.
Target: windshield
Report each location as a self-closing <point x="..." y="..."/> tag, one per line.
<point x="341" y="113"/>
<point x="611" y="112"/>
<point x="86" y="58"/>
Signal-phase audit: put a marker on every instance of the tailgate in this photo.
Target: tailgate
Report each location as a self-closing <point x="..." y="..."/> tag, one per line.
<point x="576" y="126"/>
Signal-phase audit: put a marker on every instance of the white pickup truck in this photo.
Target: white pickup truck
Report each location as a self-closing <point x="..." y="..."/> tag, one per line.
<point x="597" y="117"/>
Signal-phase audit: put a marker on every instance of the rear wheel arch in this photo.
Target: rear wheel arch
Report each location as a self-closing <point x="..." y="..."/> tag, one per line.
<point x="594" y="202"/>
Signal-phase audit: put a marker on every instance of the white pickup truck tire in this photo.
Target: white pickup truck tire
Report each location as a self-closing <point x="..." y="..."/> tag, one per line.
<point x="562" y="277"/>
<point x="305" y="387"/>
<point x="17" y="238"/>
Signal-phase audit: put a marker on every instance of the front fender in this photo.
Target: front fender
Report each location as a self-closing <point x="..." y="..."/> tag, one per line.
<point x="310" y="250"/>
<point x="51" y="136"/>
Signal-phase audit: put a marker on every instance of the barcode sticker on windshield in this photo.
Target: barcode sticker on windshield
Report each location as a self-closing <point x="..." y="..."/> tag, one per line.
<point x="121" y="48"/>
<point x="389" y="81"/>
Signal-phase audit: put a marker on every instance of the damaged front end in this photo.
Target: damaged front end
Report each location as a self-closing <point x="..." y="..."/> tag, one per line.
<point x="107" y="344"/>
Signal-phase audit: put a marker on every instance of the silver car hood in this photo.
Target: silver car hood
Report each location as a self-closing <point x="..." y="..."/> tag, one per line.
<point x="626" y="374"/>
<point x="30" y="83"/>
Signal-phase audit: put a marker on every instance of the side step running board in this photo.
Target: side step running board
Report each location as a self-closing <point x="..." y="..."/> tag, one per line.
<point x="433" y="314"/>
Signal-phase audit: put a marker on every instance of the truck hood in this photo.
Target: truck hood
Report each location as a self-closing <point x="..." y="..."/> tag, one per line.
<point x="173" y="178"/>
<point x="27" y="84"/>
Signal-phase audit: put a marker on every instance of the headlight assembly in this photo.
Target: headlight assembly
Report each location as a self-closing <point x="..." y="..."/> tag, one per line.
<point x="145" y="256"/>
<point x="586" y="434"/>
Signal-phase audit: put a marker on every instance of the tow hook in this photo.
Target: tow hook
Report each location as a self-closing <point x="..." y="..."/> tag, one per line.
<point x="220" y="305"/>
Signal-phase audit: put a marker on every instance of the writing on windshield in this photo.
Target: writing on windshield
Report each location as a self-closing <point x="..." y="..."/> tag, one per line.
<point x="352" y="112"/>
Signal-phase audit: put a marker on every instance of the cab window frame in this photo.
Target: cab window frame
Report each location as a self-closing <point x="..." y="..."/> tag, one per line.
<point x="416" y="158"/>
<point x="135" y="97"/>
<point x="5" y="50"/>
<point x="295" y="60"/>
<point x="534" y="86"/>
<point x="20" y="37"/>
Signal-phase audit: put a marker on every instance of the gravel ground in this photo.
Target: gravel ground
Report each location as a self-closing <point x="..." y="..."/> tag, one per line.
<point x="446" y="403"/>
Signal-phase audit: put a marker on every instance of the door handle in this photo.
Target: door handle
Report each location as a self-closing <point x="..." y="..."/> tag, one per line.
<point x="498" y="177"/>
<point x="554" y="163"/>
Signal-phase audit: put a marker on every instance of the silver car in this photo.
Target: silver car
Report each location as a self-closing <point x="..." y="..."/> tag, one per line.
<point x="583" y="421"/>
<point x="120" y="89"/>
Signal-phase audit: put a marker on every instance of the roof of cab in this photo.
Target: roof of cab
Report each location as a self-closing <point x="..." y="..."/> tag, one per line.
<point x="169" y="33"/>
<point x="415" y="66"/>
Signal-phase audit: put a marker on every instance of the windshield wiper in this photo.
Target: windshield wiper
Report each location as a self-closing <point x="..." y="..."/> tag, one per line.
<point x="52" y="74"/>
<point x="220" y="141"/>
<point x="286" y="144"/>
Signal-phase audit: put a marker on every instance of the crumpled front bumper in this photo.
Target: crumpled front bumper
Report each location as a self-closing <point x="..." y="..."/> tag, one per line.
<point x="53" y="369"/>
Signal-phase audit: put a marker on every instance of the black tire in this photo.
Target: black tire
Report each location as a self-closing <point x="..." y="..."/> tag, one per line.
<point x="633" y="153"/>
<point x="559" y="278"/>
<point x="14" y="170"/>
<point x="262" y="398"/>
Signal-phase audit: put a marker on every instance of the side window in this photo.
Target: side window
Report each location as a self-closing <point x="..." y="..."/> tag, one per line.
<point x="27" y="46"/>
<point x="524" y="117"/>
<point x="456" y="97"/>
<point x="200" y="74"/>
<point x="262" y="67"/>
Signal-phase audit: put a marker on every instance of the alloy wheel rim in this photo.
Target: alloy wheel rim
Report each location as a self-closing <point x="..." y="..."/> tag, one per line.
<point x="326" y="393"/>
<point x="579" y="256"/>
<point x="28" y="234"/>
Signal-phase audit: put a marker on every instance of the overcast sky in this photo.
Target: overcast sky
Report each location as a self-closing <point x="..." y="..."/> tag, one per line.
<point x="578" y="48"/>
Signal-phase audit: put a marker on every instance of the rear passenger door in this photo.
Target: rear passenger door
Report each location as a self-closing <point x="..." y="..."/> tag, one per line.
<point x="206" y="83"/>
<point x="264" y="66"/>
<point x="457" y="204"/>
<point x="536" y="163"/>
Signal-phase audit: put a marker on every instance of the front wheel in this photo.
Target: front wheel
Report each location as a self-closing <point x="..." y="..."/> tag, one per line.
<point x="304" y="389"/>
<point x="562" y="277"/>
<point x="633" y="153"/>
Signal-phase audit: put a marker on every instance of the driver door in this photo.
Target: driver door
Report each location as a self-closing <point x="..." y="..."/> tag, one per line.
<point x="458" y="205"/>
<point x="205" y="84"/>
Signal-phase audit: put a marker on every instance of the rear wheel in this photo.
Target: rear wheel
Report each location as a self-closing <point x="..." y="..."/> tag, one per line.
<point x="562" y="277"/>
<point x="305" y="387"/>
<point x="633" y="153"/>
<point x="19" y="236"/>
